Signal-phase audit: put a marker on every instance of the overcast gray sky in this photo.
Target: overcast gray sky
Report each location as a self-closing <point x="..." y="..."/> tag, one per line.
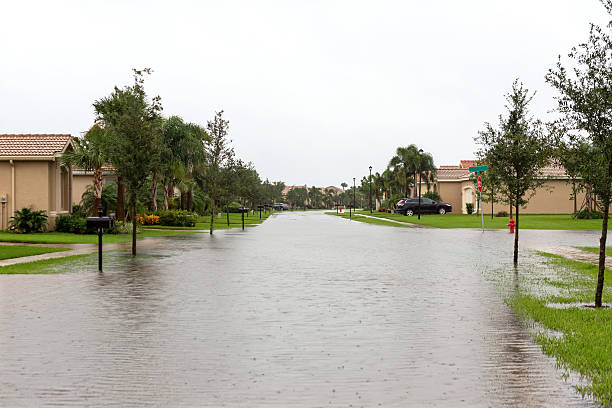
<point x="315" y="91"/>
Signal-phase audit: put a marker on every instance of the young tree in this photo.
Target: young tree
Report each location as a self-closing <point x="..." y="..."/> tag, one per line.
<point x="585" y="101"/>
<point x="516" y="151"/>
<point x="405" y="165"/>
<point x="219" y="155"/>
<point x="133" y="124"/>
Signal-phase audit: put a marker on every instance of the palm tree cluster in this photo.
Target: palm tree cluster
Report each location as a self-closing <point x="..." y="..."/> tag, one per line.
<point x="180" y="163"/>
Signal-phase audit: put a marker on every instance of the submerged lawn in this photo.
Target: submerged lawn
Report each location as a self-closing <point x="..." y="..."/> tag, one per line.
<point x="18" y="251"/>
<point x="585" y="345"/>
<point x="527" y="221"/>
<point x="45" y="266"/>
<point x="367" y="220"/>
<point x="235" y="221"/>
<point x="67" y="238"/>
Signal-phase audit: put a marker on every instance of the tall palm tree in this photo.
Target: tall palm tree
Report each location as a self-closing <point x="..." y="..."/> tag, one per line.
<point x="343" y="185"/>
<point x="90" y="154"/>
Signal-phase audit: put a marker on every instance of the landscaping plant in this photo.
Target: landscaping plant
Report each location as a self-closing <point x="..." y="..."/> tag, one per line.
<point x="28" y="220"/>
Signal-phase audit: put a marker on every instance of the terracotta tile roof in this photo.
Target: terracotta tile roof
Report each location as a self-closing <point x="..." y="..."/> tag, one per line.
<point x="464" y="164"/>
<point x="452" y="173"/>
<point x="33" y="145"/>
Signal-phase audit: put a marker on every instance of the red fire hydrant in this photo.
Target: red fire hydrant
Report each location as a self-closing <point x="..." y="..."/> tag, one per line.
<point x="511" y="225"/>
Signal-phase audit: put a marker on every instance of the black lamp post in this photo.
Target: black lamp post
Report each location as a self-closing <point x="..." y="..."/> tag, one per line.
<point x="370" y="189"/>
<point x="419" y="175"/>
<point x="354" y="187"/>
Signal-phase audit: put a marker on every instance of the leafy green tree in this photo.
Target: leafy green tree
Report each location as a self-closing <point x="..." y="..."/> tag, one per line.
<point x="108" y="198"/>
<point x="405" y="166"/>
<point x="133" y="125"/>
<point x="90" y="154"/>
<point x="516" y="151"/>
<point x="219" y="155"/>
<point x="585" y="101"/>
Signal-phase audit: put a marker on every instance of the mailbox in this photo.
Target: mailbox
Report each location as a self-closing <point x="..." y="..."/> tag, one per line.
<point x="100" y="223"/>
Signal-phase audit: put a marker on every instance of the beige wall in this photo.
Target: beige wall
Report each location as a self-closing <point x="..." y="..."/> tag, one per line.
<point x="552" y="198"/>
<point x="81" y="181"/>
<point x="42" y="185"/>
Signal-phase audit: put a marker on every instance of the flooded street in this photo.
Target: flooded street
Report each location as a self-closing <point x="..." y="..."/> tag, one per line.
<point x="306" y="310"/>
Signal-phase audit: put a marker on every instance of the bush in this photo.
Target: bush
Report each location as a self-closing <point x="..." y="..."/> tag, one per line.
<point x="123" y="228"/>
<point x="433" y="195"/>
<point x="177" y="218"/>
<point x="502" y="214"/>
<point x="147" y="219"/>
<point x="28" y="220"/>
<point x="74" y="223"/>
<point x="589" y="215"/>
<point x="469" y="207"/>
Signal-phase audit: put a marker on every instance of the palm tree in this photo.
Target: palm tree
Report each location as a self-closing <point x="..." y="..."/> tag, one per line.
<point x="343" y="185"/>
<point x="90" y="154"/>
<point x="405" y="165"/>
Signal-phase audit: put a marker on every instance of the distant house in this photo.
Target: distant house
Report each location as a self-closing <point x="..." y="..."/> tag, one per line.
<point x="553" y="197"/>
<point x="31" y="175"/>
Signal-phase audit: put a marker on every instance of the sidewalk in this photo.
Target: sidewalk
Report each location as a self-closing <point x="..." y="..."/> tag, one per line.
<point x="396" y="222"/>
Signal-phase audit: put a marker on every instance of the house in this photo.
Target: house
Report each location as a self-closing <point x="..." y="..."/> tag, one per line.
<point x="31" y="175"/>
<point x="553" y="197"/>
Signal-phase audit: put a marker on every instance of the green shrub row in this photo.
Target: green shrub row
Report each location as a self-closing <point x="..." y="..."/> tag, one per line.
<point x="177" y="218"/>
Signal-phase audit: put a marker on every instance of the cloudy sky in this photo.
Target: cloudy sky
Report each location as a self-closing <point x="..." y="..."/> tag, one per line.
<point x="315" y="91"/>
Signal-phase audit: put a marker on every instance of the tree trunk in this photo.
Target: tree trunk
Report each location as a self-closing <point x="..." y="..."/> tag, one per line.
<point x="134" y="226"/>
<point x="189" y="200"/>
<point x="165" y="196"/>
<point x="227" y="214"/>
<point x="575" y="197"/>
<point x="98" y="179"/>
<point x="516" y="233"/>
<point x="510" y="210"/>
<point x="182" y="200"/>
<point x="602" y="256"/>
<point x="212" y="217"/>
<point x="120" y="212"/>
<point x="154" y="194"/>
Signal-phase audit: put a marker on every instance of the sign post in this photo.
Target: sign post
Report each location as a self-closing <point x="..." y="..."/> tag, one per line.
<point x="478" y="169"/>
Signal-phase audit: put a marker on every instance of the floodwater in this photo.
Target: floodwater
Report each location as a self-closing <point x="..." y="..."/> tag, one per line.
<point x="306" y="310"/>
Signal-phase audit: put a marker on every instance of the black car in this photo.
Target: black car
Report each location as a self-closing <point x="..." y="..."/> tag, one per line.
<point x="410" y="206"/>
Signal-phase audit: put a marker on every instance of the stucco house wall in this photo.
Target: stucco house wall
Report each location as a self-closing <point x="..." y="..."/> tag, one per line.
<point x="31" y="175"/>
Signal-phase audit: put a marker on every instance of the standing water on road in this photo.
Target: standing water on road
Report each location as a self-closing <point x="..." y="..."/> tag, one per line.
<point x="305" y="310"/>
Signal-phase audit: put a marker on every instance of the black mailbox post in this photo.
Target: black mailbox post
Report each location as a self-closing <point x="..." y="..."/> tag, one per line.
<point x="243" y="210"/>
<point x="100" y="223"/>
<point x="260" y="206"/>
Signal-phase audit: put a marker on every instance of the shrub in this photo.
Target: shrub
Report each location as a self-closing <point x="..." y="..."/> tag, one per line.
<point x="433" y="195"/>
<point x="123" y="228"/>
<point x="74" y="223"/>
<point x="589" y="215"/>
<point x="502" y="214"/>
<point x="469" y="207"/>
<point x="177" y="218"/>
<point x="78" y="210"/>
<point x="28" y="220"/>
<point x="146" y="219"/>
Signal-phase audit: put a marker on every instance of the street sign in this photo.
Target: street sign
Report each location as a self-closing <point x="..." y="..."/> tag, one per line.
<point x="479" y="184"/>
<point x="478" y="168"/>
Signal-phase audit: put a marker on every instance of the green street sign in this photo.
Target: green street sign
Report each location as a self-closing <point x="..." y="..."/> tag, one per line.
<point x="478" y="168"/>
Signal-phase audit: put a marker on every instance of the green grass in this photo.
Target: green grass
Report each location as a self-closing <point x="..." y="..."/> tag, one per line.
<point x="67" y="238"/>
<point x="46" y="266"/>
<point x="18" y="251"/>
<point x="586" y="344"/>
<point x="376" y="221"/>
<point x="527" y="221"/>
<point x="596" y="250"/>
<point x="203" y="223"/>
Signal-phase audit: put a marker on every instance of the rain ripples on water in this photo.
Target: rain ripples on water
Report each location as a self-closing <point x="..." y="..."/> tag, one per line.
<point x="305" y="310"/>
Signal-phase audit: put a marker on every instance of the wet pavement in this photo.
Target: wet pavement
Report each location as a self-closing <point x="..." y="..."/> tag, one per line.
<point x="306" y="310"/>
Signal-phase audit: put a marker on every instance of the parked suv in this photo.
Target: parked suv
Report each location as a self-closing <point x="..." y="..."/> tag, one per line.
<point x="410" y="206"/>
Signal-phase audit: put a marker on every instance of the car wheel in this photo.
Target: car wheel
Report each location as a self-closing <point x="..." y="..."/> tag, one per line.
<point x="442" y="211"/>
<point x="409" y="213"/>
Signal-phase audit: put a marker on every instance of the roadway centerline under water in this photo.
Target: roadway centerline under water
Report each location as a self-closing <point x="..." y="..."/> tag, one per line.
<point x="305" y="310"/>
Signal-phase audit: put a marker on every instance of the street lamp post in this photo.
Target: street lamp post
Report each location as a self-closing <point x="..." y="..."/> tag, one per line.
<point x="370" y="189"/>
<point x="419" y="175"/>
<point x="354" y="187"/>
